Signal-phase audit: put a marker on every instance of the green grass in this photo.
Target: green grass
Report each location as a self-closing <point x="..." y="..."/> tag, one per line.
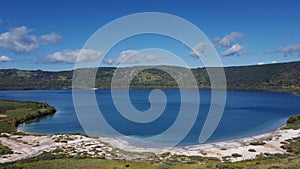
<point x="86" y="163"/>
<point x="293" y="146"/>
<point x="5" y="150"/>
<point x="47" y="161"/>
<point x="293" y="122"/>
<point x="266" y="161"/>
<point x="14" y="113"/>
<point x="263" y="162"/>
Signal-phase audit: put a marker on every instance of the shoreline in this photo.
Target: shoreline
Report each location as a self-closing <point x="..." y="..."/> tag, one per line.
<point x="30" y="145"/>
<point x="25" y="145"/>
<point x="232" y="138"/>
<point x="116" y="138"/>
<point x="272" y="144"/>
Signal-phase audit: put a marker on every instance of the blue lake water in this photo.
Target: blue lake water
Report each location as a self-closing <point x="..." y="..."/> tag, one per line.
<point x="246" y="113"/>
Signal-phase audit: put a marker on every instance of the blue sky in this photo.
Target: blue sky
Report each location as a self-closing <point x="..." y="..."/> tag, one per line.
<point x="48" y="35"/>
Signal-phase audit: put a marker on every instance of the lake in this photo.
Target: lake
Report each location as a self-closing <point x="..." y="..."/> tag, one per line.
<point x="246" y="113"/>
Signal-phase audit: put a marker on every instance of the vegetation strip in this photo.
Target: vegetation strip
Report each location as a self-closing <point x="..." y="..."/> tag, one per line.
<point x="13" y="113"/>
<point x="281" y="77"/>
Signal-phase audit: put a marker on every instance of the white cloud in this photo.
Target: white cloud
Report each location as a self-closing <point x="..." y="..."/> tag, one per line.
<point x="19" y="40"/>
<point x="4" y="58"/>
<point x="126" y="56"/>
<point x="50" y="38"/>
<point x="261" y="63"/>
<point x="236" y="49"/>
<point x="73" y="56"/>
<point x="201" y="49"/>
<point x="228" y="39"/>
<point x="286" y="50"/>
<point x="109" y="61"/>
<point x="135" y="57"/>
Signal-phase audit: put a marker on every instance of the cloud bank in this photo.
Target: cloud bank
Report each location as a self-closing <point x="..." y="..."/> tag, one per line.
<point x="19" y="40"/>
<point x="286" y="50"/>
<point x="73" y="56"/>
<point x="134" y="57"/>
<point x="50" y="38"/>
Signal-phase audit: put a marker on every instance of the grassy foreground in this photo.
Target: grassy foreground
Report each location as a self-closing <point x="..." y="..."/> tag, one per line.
<point x="266" y="161"/>
<point x="70" y="163"/>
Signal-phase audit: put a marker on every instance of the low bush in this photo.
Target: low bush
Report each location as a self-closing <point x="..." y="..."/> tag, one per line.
<point x="236" y="155"/>
<point x="257" y="143"/>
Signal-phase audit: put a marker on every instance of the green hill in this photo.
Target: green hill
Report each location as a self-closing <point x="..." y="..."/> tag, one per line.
<point x="281" y="77"/>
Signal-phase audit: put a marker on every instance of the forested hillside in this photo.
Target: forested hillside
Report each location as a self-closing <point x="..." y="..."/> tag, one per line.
<point x="283" y="77"/>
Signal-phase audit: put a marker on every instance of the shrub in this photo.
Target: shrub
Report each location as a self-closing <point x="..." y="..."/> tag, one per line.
<point x="293" y="119"/>
<point x="5" y="150"/>
<point x="236" y="155"/>
<point x="293" y="146"/>
<point x="257" y="143"/>
<point x="252" y="150"/>
<point x="293" y="122"/>
<point x="273" y="167"/>
<point x="164" y="155"/>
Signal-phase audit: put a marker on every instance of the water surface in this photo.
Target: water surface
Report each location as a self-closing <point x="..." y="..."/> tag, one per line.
<point x="246" y="113"/>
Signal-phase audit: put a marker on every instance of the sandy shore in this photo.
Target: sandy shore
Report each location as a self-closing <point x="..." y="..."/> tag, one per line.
<point x="25" y="146"/>
<point x="272" y="144"/>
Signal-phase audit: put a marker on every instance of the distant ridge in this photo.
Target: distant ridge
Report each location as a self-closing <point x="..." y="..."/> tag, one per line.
<point x="280" y="77"/>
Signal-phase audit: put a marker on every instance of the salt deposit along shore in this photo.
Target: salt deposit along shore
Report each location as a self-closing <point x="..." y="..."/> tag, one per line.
<point x="25" y="146"/>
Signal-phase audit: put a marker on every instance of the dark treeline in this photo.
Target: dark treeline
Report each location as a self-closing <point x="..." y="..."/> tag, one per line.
<point x="282" y="77"/>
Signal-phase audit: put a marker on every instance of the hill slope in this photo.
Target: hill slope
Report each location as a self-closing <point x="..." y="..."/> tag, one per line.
<point x="282" y="77"/>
